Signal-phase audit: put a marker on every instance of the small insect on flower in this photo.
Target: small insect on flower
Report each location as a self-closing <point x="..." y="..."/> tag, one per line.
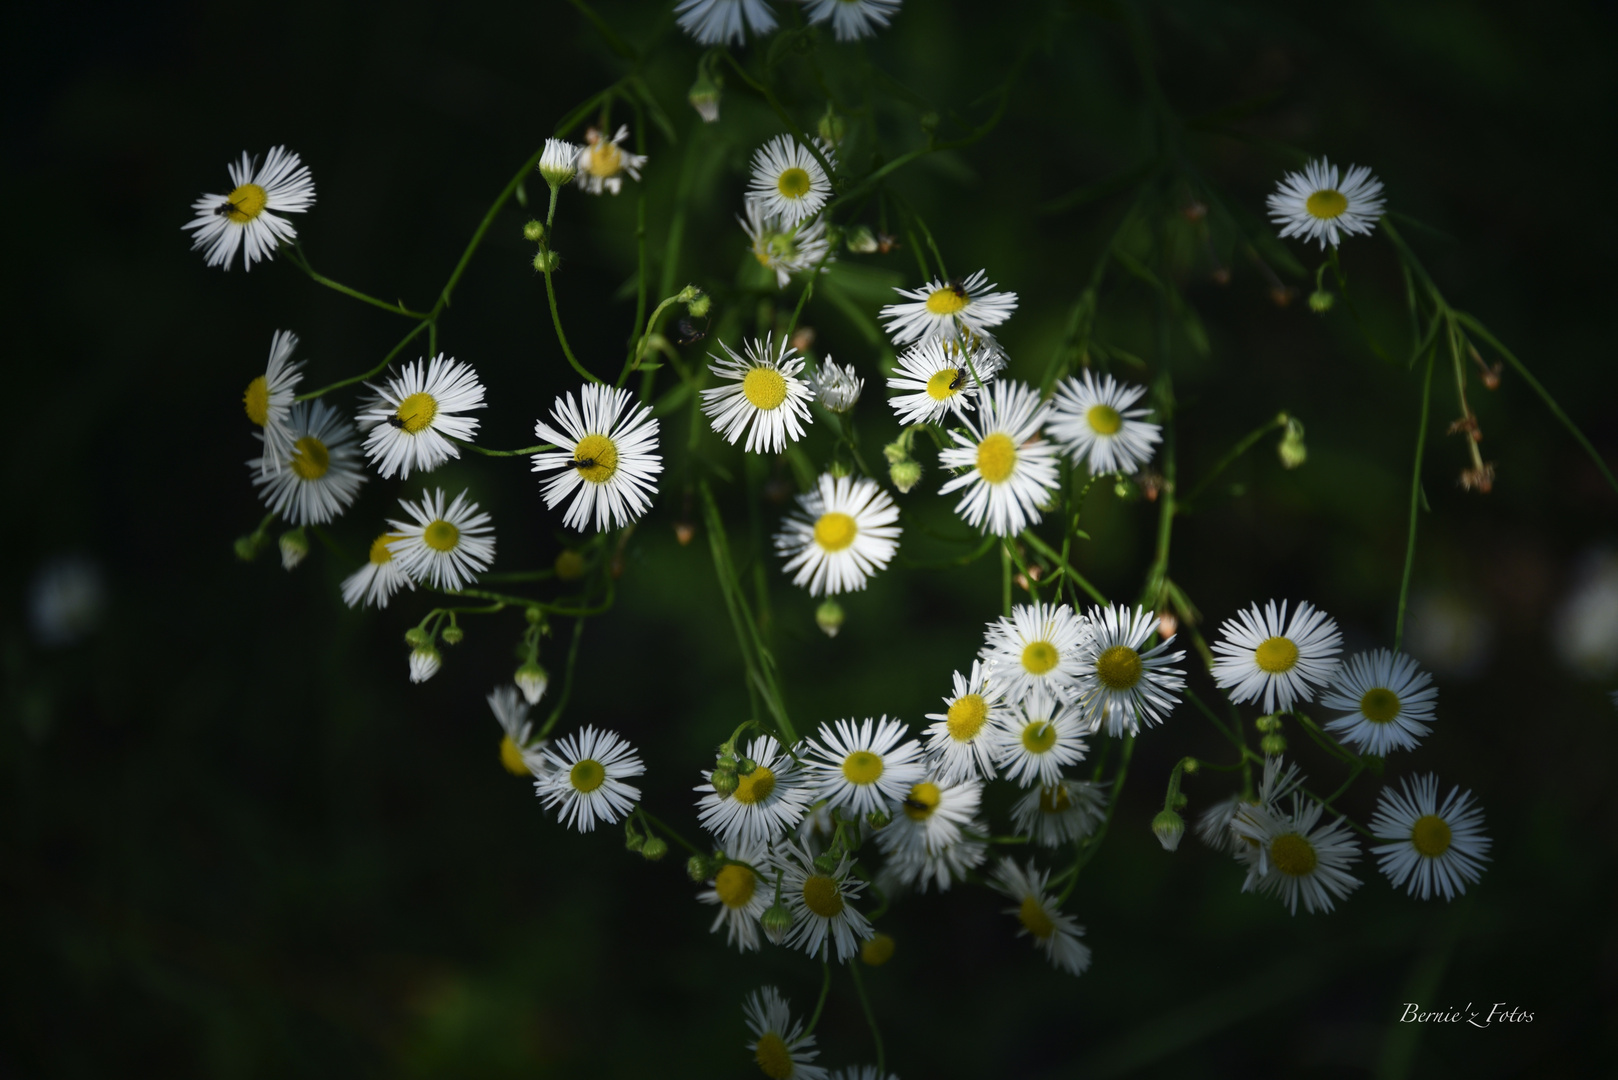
<point x="414" y="416"/>
<point x="249" y="218"/>
<point x="608" y="451"/>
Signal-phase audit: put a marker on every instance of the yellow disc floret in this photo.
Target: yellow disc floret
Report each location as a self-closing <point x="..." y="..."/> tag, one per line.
<point x="835" y="531"/>
<point x="257" y="400"/>
<point x="601" y="453"/>
<point x="922" y="801"/>
<point x="755" y="787"/>
<point x="1276" y="655"/>
<point x="1379" y="705"/>
<point x="416" y="413"/>
<point x="1430" y="836"/>
<point x="511" y="757"/>
<point x="945" y="384"/>
<point x="735" y="885"/>
<point x="441" y="536"/>
<point x="1054" y="799"/>
<point x="587" y="775"/>
<point x="246" y="203"/>
<point x="773" y="1057"/>
<point x="997" y="457"/>
<point x="1326" y="204"/>
<point x="822" y="896"/>
<point x="765" y="388"/>
<point x="1293" y="855"/>
<point x="604" y="160"/>
<point x="947" y="301"/>
<point x="1036" y="918"/>
<point x="862" y="767"/>
<point x="1039" y="736"/>
<point x="310" y="458"/>
<point x="793" y="183"/>
<point x="1038" y="657"/>
<point x="1103" y="419"/>
<point x="966" y="717"/>
<point x="380" y="552"/>
<point x="1118" y="668"/>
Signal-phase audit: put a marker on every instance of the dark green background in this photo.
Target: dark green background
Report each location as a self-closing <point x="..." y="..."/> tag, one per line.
<point x="236" y="842"/>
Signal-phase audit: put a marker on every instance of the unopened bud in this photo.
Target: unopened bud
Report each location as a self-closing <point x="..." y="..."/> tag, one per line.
<point x="654" y="849"/>
<point x="839" y="469"/>
<point x="877" y="818"/>
<point x="453" y="635"/>
<point x="745" y="766"/>
<point x="698" y="868"/>
<point x="829" y="617"/>
<point x="1273" y="744"/>
<point x="699" y="307"/>
<point x="534" y="615"/>
<point x="876" y="950"/>
<point x="861" y="240"/>
<point x="294" y="547"/>
<point x="532" y="680"/>
<point x="633" y="841"/>
<point x="929" y="122"/>
<point x="1190" y="765"/>
<point x="704" y="95"/>
<point x="534" y="231"/>
<point x="570" y="565"/>
<point x="832" y="127"/>
<point x="826" y="862"/>
<point x="684" y="532"/>
<point x="416" y="637"/>
<point x="247" y="547"/>
<point x="775" y="922"/>
<point x="724" y="782"/>
<point x="559" y="162"/>
<point x="1320" y="301"/>
<point x="905" y="475"/>
<point x="1169" y="827"/>
<point x="1267" y="724"/>
<point x="1291" y="449"/>
<point x="424" y="663"/>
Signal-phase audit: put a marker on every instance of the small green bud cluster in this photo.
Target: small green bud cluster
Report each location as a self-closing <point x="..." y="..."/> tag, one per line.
<point x="903" y="470"/>
<point x="453" y="635"/>
<point x="1291" y="449"/>
<point x="829" y="617"/>
<point x="1320" y="301"/>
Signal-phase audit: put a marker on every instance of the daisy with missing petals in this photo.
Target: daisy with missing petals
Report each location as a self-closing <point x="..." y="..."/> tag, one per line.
<point x="607" y="454"/>
<point x="766" y="398"/>
<point x="786" y="249"/>
<point x="585" y="778"/>
<point x="1057" y="935"/>
<point x="1124" y="687"/>
<point x="1436" y="848"/>
<point x="603" y="162"/>
<point x="319" y="475"/>
<point x="1009" y="470"/>
<point x="443" y="545"/>
<point x="414" y="415"/>
<point x="380" y="577"/>
<point x="1391" y="701"/>
<point x="835" y="386"/>
<point x="1034" y="741"/>
<point x="718" y="22"/>
<point x="1053" y="815"/>
<point x="819" y="901"/>
<point x="268" y="399"/>
<point x="788" y="182"/>
<point x="866" y="768"/>
<point x="742" y="896"/>
<point x="934" y="381"/>
<point x="958" y="745"/>
<point x="1039" y="645"/>
<point x="1294" y="859"/>
<point x="847" y="529"/>
<point x="1217" y="826"/>
<point x="767" y="802"/>
<point x="851" y="19"/>
<point x="518" y="753"/>
<point x="947" y="310"/>
<point x="1092" y="419"/>
<point x="1262" y="655"/>
<point x="779" y="1045"/>
<point x="924" y="843"/>
<point x="249" y="217"/>
<point x="1312" y="205"/>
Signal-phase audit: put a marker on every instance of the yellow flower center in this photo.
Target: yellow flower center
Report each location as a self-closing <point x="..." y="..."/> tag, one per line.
<point x="822" y="896"/>
<point x="942" y="386"/>
<point x="246" y="203"/>
<point x="511" y="757"/>
<point x="966" y="717"/>
<point x="587" y="775"/>
<point x="257" y="400"/>
<point x="1103" y="419"/>
<point x="835" y="531"/>
<point x="441" y="536"/>
<point x="1053" y="800"/>
<point x="862" y="767"/>
<point x="755" y="787"/>
<point x="1118" y="668"/>
<point x="735" y="885"/>
<point x="310" y="458"/>
<point x="773" y="1057"/>
<point x="1039" y="736"/>
<point x="380" y="552"/>
<point x="877" y="950"/>
<point x="1379" y="705"/>
<point x="922" y="801"/>
<point x="1038" y="657"/>
<point x="603" y="454"/>
<point x="1326" y="204"/>
<point x="765" y="388"/>
<point x="1293" y="855"/>
<point x="794" y="183"/>
<point x="1035" y="918"/>
<point x="997" y="456"/>
<point x="604" y="159"/>
<point x="947" y="301"/>
<point x="416" y="413"/>
<point x="1275" y="655"/>
<point x="1430" y="836"/>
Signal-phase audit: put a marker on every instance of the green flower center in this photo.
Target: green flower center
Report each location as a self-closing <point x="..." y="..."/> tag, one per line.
<point x="1103" y="419"/>
<point x="1036" y="918"/>
<point x="310" y="458"/>
<point x="1039" y="736"/>
<point x="773" y="1057"/>
<point x="1275" y="655"/>
<point x="1379" y="705"/>
<point x="822" y="896"/>
<point x="1038" y="657"/>
<point x="587" y="775"/>
<point x="1118" y="668"/>
<point x="794" y="183"/>
<point x="1293" y="855"/>
<point x="441" y="536"/>
<point x="862" y="767"/>
<point x="1326" y="204"/>
<point x="1430" y="836"/>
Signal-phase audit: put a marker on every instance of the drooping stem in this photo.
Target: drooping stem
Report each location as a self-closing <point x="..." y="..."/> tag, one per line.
<point x="870" y="1018"/>
<point x="1415" y="503"/>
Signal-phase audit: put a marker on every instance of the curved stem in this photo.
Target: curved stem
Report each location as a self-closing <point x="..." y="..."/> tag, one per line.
<point x="1415" y="503"/>
<point x="825" y="988"/>
<point x="567" y="681"/>
<point x="386" y="360"/>
<point x="297" y="258"/>
<point x="870" y="1018"/>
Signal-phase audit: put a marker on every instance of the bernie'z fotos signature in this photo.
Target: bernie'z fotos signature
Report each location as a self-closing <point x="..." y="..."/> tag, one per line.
<point x="1498" y="1013"/>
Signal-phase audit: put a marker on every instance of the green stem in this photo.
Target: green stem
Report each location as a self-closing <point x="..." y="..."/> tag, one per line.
<point x="870" y="1018"/>
<point x="501" y="453"/>
<point x="556" y="321"/>
<point x="567" y="681"/>
<point x="297" y="258"/>
<point x="672" y="833"/>
<point x="1236" y="452"/>
<point x="483" y="228"/>
<point x="1415" y="503"/>
<point x="825" y="989"/>
<point x="386" y="360"/>
<point x="1005" y="577"/>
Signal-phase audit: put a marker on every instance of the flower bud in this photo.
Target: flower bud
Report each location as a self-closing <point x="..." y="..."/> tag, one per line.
<point x="1169" y="828"/>
<point x="1267" y="724"/>
<point x="453" y="635"/>
<point x="247" y="547"/>
<point x="1291" y="449"/>
<point x="294" y="547"/>
<point x="929" y="122"/>
<point x="839" y="470"/>
<point x="547" y="260"/>
<point x="861" y="240"/>
<point x="416" y="637"/>
<point x="745" y="766"/>
<point x="829" y="617"/>
<point x="700" y="307"/>
<point x="559" y="162"/>
<point x="654" y="849"/>
<point x="704" y="95"/>
<point x="775" y="922"/>
<point x="1273" y="744"/>
<point x="723" y="781"/>
<point x="532" y="680"/>
<point x="684" y="532"/>
<point x="570" y="565"/>
<point x="877" y="818"/>
<point x="898" y="450"/>
<point x="826" y="862"/>
<point x="832" y="127"/>
<point x="534" y="231"/>
<point x="1320" y="301"/>
<point x="698" y="868"/>
<point x="876" y="950"/>
<point x="424" y="663"/>
<point x="905" y="475"/>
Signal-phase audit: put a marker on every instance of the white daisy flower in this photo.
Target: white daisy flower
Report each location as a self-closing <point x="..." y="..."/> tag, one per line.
<point x="779" y="1045"/>
<point x="958" y="744"/>
<point x="788" y="182"/>
<point x="518" y="752"/>
<point x="1034" y="741"/>
<point x="924" y="842"/>
<point x="1124" y="687"/>
<point x="866" y="768"/>
<point x="819" y="901"/>
<point x="1436" y="848"/>
<point x="443" y="545"/>
<point x="767" y="802"/>
<point x="836" y="386"/>
<point x="846" y="530"/>
<point x="1052" y="815"/>
<point x="603" y="162"/>
<point x="1391" y="700"/>
<point x="717" y="22"/>
<point x="1280" y="781"/>
<point x="585" y="778"/>
<point x="742" y="896"/>
<point x="1010" y="471"/>
<point x="268" y="399"/>
<point x="608" y="457"/>
<point x="319" y="474"/>
<point x="414" y="415"/>
<point x="1092" y="419"/>
<point x="1312" y="205"/>
<point x="947" y="310"/>
<point x="559" y="162"/>
<point x="786" y="249"/>
<point x="1056" y="934"/>
<point x="1262" y="655"/>
<point x="1294" y="859"/>
<point x="934" y="381"/>
<point x="249" y="217"/>
<point x="766" y="398"/>
<point x="851" y="19"/>
<point x="380" y="577"/>
<point x="1039" y="645"/>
